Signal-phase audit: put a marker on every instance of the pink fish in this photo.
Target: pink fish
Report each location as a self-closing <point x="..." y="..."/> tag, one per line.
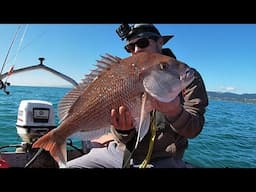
<point x="115" y="82"/>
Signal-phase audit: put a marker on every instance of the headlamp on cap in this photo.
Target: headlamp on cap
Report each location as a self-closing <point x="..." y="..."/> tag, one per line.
<point x="123" y="30"/>
<point x="143" y="30"/>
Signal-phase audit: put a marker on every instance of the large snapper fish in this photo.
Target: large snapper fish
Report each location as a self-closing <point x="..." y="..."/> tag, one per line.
<point x="115" y="82"/>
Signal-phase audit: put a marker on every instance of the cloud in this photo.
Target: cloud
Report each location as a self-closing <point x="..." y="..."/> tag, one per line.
<point x="227" y="89"/>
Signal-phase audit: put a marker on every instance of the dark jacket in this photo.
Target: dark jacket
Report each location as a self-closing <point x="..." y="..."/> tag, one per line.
<point x="173" y="132"/>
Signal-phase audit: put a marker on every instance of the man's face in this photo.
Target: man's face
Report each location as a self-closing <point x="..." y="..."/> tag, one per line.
<point x="144" y="45"/>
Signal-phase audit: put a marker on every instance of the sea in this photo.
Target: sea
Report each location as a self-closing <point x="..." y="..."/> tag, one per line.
<point x="228" y="139"/>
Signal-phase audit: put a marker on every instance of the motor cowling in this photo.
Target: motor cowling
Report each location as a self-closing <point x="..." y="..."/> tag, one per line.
<point x="34" y="119"/>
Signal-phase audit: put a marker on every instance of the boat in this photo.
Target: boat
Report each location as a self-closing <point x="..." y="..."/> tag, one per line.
<point x="34" y="119"/>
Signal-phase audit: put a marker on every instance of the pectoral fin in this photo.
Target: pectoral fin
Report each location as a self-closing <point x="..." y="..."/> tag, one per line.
<point x="144" y="121"/>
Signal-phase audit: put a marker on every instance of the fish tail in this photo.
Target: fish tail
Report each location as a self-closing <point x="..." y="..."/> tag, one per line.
<point x="57" y="148"/>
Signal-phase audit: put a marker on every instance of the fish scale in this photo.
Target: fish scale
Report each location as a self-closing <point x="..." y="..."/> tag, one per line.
<point x="109" y="102"/>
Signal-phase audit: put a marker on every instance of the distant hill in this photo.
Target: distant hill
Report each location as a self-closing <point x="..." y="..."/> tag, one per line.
<point x="249" y="98"/>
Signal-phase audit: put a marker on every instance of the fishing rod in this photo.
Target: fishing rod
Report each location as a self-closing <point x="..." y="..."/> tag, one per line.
<point x="14" y="38"/>
<point x="3" y="85"/>
<point x="11" y="71"/>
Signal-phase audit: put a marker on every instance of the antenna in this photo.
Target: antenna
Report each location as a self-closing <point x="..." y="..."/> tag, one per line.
<point x="41" y="59"/>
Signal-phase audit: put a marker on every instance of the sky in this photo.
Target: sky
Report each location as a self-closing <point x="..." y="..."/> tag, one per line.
<point x="224" y="54"/>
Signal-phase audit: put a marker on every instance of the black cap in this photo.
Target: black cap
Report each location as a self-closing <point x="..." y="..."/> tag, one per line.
<point x="145" y="30"/>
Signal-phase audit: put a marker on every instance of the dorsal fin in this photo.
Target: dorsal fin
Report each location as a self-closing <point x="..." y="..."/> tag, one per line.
<point x="70" y="98"/>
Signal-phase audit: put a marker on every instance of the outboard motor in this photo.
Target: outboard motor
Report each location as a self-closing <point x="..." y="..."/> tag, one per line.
<point x="35" y="118"/>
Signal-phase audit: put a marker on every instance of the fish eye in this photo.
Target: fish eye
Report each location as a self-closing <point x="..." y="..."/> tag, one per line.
<point x="163" y="66"/>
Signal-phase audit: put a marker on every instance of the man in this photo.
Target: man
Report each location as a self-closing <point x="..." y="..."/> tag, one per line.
<point x="176" y="121"/>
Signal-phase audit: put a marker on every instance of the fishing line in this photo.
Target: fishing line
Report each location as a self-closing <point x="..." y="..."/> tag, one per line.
<point x="152" y="140"/>
<point x="34" y="157"/>
<point x="145" y="162"/>
<point x="15" y="35"/>
<point x="31" y="41"/>
<point x="17" y="51"/>
<point x="20" y="43"/>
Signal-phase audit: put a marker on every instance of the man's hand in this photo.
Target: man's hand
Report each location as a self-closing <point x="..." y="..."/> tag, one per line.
<point x="171" y="109"/>
<point x="122" y="119"/>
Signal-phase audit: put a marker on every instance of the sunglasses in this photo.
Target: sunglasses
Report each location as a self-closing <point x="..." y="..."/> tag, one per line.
<point x="141" y="43"/>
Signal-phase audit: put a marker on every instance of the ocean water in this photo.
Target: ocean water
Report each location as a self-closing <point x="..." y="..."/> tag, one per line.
<point x="228" y="138"/>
